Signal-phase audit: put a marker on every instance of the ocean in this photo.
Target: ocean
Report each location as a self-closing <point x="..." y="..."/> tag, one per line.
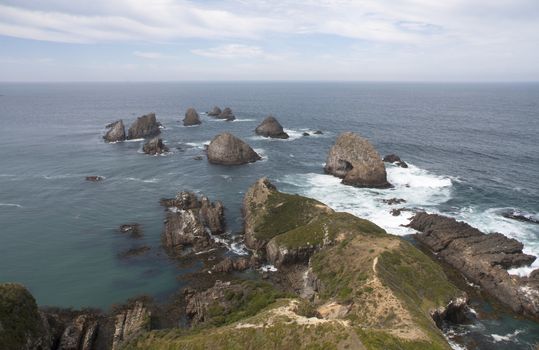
<point x="473" y="152"/>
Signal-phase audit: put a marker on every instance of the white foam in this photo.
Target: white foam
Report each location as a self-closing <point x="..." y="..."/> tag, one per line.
<point x="237" y="120"/>
<point x="506" y="338"/>
<point x="10" y="205"/>
<point x="418" y="187"/>
<point x="268" y="268"/>
<point x="235" y="247"/>
<point x="152" y="180"/>
<point x="135" y="140"/>
<point x="262" y="153"/>
<point x="200" y="144"/>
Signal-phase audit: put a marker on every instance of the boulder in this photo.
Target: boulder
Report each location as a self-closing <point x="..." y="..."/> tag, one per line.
<point x="227" y="115"/>
<point x="116" y="132"/>
<point x="270" y="127"/>
<point x="227" y="149"/>
<point x="144" y="127"/>
<point x="306" y="134"/>
<point x="355" y="160"/>
<point x="455" y="311"/>
<point x="191" y="221"/>
<point x="130" y="322"/>
<point x="482" y="258"/>
<point x="191" y="118"/>
<point x="155" y="146"/>
<point x="215" y="112"/>
<point x="393" y="158"/>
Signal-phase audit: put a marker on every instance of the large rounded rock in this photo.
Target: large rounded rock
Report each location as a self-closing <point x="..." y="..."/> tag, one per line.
<point x="355" y="160"/>
<point x="215" y="112"/>
<point x="155" y="146"/>
<point x="116" y="132"/>
<point x="227" y="149"/>
<point x="191" y="118"/>
<point x="271" y="127"/>
<point x="144" y="127"/>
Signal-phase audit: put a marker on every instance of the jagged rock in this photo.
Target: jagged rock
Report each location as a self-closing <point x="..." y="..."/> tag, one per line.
<point x="79" y="334"/>
<point x="318" y="132"/>
<point x="190" y="221"/>
<point x="144" y="127"/>
<point x="155" y="146"/>
<point x="227" y="115"/>
<point x="482" y="258"/>
<point x="455" y="311"/>
<point x="22" y="325"/>
<point x="270" y="127"/>
<point x="306" y="134"/>
<point x="227" y="149"/>
<point x="355" y="160"/>
<point x="393" y="201"/>
<point x="130" y="322"/>
<point x="392" y="158"/>
<point x="116" y="132"/>
<point x="191" y="118"/>
<point x="133" y="230"/>
<point x="94" y="178"/>
<point x="520" y="216"/>
<point x="229" y="265"/>
<point x="215" y="112"/>
<point x="199" y="303"/>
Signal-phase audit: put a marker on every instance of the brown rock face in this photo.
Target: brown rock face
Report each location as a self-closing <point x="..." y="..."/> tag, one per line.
<point x="79" y="334"/>
<point x="271" y="127"/>
<point x="215" y="112"/>
<point x="191" y="118"/>
<point x="130" y="322"/>
<point x="190" y="221"/>
<point x="482" y="258"/>
<point x="116" y="132"/>
<point x="355" y="160"/>
<point x="155" y="146"/>
<point x="199" y="303"/>
<point x="144" y="127"/>
<point x="227" y="149"/>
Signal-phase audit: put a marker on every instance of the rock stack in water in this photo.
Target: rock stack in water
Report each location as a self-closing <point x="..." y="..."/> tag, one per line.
<point x="395" y="159"/>
<point x="215" y="112"/>
<point x="191" y="118"/>
<point x="116" y="132"/>
<point x="355" y="160"/>
<point x="155" y="146"/>
<point x="271" y="127"/>
<point x="227" y="149"/>
<point x="190" y="221"/>
<point x="144" y="127"/>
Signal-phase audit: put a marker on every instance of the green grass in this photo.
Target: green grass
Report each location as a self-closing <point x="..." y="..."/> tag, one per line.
<point x="376" y="340"/>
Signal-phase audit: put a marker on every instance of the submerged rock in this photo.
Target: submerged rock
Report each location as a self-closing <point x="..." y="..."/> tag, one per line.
<point x="393" y="201"/>
<point x="482" y="258"/>
<point x="392" y="158"/>
<point x="306" y="134"/>
<point x="215" y="112"/>
<point x="271" y="127"/>
<point x="116" y="132"/>
<point x="144" y="127"/>
<point x="191" y="118"/>
<point x="155" y="146"/>
<point x="133" y="230"/>
<point x="191" y="221"/>
<point x="227" y="115"/>
<point x="227" y="149"/>
<point x="318" y="132"/>
<point x="132" y="252"/>
<point x="94" y="178"/>
<point x="355" y="160"/>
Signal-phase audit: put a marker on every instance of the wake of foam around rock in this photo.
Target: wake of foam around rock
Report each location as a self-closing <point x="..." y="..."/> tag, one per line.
<point x="152" y="180"/>
<point x="15" y="205"/>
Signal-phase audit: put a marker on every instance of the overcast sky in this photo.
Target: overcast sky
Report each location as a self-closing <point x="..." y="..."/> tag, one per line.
<point x="163" y="40"/>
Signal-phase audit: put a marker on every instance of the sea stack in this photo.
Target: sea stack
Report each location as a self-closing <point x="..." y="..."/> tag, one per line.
<point x="355" y="160"/>
<point x="191" y="118"/>
<point x="227" y="115"/>
<point x="116" y="132"/>
<point x="271" y="127"/>
<point x="155" y="146"/>
<point x="215" y="112"/>
<point x="144" y="127"/>
<point x="227" y="149"/>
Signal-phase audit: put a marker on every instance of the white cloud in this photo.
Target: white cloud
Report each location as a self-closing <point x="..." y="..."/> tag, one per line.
<point x="149" y="55"/>
<point x="230" y="51"/>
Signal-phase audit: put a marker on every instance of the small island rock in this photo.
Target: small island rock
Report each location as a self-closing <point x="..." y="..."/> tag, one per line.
<point x="395" y="159"/>
<point x="116" y="132"/>
<point x="355" y="160"/>
<point x="271" y="127"/>
<point x="144" y="127"/>
<point x="227" y="115"/>
<point x="215" y="112"/>
<point x="191" y="118"/>
<point x="227" y="149"/>
<point x="155" y="146"/>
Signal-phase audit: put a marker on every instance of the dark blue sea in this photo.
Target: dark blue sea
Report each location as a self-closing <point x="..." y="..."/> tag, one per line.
<point x="473" y="151"/>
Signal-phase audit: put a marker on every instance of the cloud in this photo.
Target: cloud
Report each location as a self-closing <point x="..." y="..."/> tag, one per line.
<point x="230" y="51"/>
<point x="149" y="55"/>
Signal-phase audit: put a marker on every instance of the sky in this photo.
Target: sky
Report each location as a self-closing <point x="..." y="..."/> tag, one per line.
<point x="210" y="40"/>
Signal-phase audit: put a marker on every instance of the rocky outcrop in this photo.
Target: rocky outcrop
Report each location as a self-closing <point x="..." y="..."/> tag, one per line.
<point x="393" y="158"/>
<point x="80" y="334"/>
<point x="482" y="258"/>
<point x="190" y="221"/>
<point x="271" y="127"/>
<point x="228" y="265"/>
<point x="455" y="311"/>
<point x="520" y="216"/>
<point x="116" y="132"/>
<point x="155" y="146"/>
<point x="227" y="115"/>
<point x="227" y="149"/>
<point x="134" y="230"/>
<point x="130" y="322"/>
<point x="191" y="118"/>
<point x="393" y="201"/>
<point x="144" y="127"/>
<point x="215" y="112"/>
<point x="355" y="160"/>
<point x="199" y="304"/>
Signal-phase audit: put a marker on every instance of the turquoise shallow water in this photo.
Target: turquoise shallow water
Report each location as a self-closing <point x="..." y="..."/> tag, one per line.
<point x="473" y="152"/>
